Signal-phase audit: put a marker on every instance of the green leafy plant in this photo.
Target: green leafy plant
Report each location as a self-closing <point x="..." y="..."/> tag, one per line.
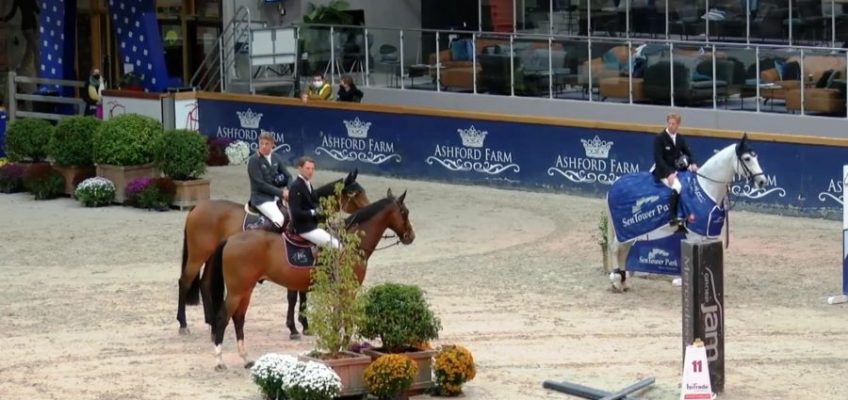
<point x="43" y="181"/>
<point x="399" y="315"/>
<point x="335" y="307"/>
<point x="128" y="139"/>
<point x="27" y="139"/>
<point x="333" y="13"/>
<point x="71" y="142"/>
<point x="181" y="154"/>
<point x="603" y="230"/>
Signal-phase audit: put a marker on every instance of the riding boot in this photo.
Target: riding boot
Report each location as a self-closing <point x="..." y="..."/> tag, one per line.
<point x="673" y="204"/>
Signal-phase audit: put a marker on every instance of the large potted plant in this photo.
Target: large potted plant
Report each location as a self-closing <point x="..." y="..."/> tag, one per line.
<point x="315" y="41"/>
<point x="181" y="155"/>
<point x="27" y="140"/>
<point x="335" y="305"/>
<point x="125" y="148"/>
<point x="70" y="148"/>
<point x="400" y="317"/>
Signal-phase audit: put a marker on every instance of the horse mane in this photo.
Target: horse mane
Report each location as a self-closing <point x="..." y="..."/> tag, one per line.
<point x="369" y="211"/>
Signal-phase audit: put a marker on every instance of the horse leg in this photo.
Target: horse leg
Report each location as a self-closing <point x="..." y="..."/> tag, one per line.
<point x="238" y="323"/>
<point x="618" y="276"/>
<point x="230" y="306"/>
<point x="301" y="314"/>
<point x="291" y="297"/>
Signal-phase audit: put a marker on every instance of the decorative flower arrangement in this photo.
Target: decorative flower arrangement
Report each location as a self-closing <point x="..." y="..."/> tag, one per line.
<point x="95" y="192"/>
<point x="390" y="375"/>
<point x="12" y="178"/>
<point x="150" y="193"/>
<point x="3" y="161"/>
<point x="43" y="181"/>
<point x="238" y="152"/>
<point x="603" y="231"/>
<point x="281" y="376"/>
<point x="454" y="365"/>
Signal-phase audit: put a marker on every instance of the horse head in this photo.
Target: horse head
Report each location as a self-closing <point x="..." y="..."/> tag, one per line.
<point x="354" y="197"/>
<point x="747" y="164"/>
<point x="398" y="219"/>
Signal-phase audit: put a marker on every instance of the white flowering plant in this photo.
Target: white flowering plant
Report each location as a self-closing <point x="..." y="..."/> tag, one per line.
<point x="238" y="152"/>
<point x="95" y="192"/>
<point x="281" y="376"/>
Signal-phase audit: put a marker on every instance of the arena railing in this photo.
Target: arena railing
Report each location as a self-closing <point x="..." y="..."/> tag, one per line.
<point x="15" y="96"/>
<point x="589" y="68"/>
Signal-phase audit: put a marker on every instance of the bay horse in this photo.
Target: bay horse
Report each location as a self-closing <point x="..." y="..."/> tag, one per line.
<point x="245" y="258"/>
<point x="638" y="205"/>
<point x="212" y="221"/>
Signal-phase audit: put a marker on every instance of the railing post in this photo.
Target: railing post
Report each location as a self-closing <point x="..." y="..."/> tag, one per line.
<point x="589" y="65"/>
<point x="13" y="89"/>
<point x="401" y="60"/>
<point x="671" y="70"/>
<point x="438" y="63"/>
<point x="630" y="71"/>
<point x="627" y="19"/>
<point x="221" y="68"/>
<point x="803" y="78"/>
<point x="367" y="77"/>
<point x="666" y="20"/>
<point x="832" y="23"/>
<point x="757" y="53"/>
<point x="511" y="65"/>
<point x="550" y="67"/>
<point x="715" y="91"/>
<point x="332" y="56"/>
<point x="707" y="22"/>
<point x="473" y="62"/>
<point x="789" y="22"/>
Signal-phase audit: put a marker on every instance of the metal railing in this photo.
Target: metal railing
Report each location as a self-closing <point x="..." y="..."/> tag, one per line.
<point x="15" y="96"/>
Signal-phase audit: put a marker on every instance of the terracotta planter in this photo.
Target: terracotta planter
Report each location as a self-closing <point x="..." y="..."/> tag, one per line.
<point x="74" y="173"/>
<point x="121" y="175"/>
<point x="190" y="192"/>
<point x="350" y="368"/>
<point x="423" y="359"/>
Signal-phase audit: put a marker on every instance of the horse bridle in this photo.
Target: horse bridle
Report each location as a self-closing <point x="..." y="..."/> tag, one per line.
<point x="748" y="173"/>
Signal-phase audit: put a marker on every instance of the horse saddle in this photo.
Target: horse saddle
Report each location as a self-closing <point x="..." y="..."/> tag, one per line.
<point x="255" y="220"/>
<point x="299" y="251"/>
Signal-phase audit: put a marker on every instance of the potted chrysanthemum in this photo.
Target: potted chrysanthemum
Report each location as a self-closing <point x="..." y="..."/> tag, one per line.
<point x="95" y="192"/>
<point x="281" y="376"/>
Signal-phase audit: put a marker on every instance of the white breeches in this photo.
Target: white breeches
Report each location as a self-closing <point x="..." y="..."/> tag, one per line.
<point x="271" y="209"/>
<point x="321" y="238"/>
<point x="676" y="186"/>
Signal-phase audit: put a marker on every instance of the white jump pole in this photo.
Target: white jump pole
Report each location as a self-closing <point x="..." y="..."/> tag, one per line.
<point x="843" y="298"/>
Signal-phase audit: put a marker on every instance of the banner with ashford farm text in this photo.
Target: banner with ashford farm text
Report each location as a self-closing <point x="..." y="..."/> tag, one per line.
<point x="804" y="178"/>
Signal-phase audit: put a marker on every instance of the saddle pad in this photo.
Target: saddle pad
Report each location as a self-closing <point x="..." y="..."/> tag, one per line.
<point x="299" y="255"/>
<point x="254" y="222"/>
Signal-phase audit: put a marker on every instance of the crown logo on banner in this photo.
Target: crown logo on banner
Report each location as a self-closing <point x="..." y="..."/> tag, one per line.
<point x="357" y="129"/>
<point x="249" y="119"/>
<point x="471" y="137"/>
<point x="597" y="147"/>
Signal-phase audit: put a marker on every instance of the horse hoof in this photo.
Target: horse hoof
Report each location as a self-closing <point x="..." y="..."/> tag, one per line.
<point x="248" y="365"/>
<point x="220" y="367"/>
<point x="615" y="280"/>
<point x="307" y="332"/>
<point x="184" y="331"/>
<point x="677" y="282"/>
<point x="294" y="336"/>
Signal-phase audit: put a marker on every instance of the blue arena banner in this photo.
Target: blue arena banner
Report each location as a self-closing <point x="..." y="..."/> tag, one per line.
<point x="802" y="178"/>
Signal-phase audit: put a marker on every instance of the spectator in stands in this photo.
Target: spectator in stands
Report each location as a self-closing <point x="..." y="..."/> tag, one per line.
<point x="93" y="92"/>
<point x="318" y="90"/>
<point x="348" y="91"/>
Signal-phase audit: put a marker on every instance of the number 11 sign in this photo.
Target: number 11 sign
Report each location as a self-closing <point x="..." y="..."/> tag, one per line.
<point x="696" y="374"/>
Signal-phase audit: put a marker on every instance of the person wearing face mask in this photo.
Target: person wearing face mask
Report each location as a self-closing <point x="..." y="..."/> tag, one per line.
<point x="92" y="94"/>
<point x="319" y="89"/>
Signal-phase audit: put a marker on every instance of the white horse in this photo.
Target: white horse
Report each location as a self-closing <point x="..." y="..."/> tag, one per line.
<point x="713" y="177"/>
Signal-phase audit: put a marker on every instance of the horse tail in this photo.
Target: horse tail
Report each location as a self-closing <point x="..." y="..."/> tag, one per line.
<point x="193" y="293"/>
<point x="215" y="269"/>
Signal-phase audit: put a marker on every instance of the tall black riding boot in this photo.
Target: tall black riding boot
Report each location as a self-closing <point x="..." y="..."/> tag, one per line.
<point x="675" y="200"/>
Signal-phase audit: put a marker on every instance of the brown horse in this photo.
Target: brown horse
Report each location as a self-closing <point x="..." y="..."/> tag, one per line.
<point x="245" y="258"/>
<point x="212" y="221"/>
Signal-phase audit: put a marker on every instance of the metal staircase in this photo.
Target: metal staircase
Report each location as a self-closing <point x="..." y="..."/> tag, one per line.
<point x="229" y="67"/>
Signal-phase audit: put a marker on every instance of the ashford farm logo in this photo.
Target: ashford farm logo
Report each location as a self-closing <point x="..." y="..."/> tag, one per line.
<point x="473" y="155"/>
<point x="357" y="146"/>
<point x="594" y="166"/>
<point x="834" y="191"/>
<point x="248" y="131"/>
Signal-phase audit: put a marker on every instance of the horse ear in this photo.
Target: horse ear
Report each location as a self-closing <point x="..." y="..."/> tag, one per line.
<point x="400" y="199"/>
<point x="355" y="173"/>
<point x="349" y="179"/>
<point x="389" y="193"/>
<point x="742" y="147"/>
